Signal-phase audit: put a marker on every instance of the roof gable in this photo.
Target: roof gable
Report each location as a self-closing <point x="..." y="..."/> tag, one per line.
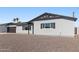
<point x="47" y="16"/>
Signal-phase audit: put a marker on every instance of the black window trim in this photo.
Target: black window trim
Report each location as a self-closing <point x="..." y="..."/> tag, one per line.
<point x="48" y="25"/>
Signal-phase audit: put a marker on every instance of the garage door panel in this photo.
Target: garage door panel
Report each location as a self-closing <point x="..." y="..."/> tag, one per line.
<point x="11" y="29"/>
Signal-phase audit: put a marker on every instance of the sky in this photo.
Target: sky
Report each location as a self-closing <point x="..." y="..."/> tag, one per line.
<point x="7" y="14"/>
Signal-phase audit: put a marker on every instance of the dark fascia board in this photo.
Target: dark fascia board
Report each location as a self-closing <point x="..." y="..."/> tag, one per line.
<point x="23" y="23"/>
<point x="11" y="23"/>
<point x="61" y="16"/>
<point x="17" y="24"/>
<point x="20" y="24"/>
<point x="6" y="24"/>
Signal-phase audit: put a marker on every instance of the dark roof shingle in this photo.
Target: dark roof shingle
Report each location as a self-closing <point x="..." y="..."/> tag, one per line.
<point x="54" y="16"/>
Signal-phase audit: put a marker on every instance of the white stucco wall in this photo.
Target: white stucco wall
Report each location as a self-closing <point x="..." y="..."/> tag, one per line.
<point x="3" y="29"/>
<point x="19" y="30"/>
<point x="78" y="30"/>
<point x="63" y="27"/>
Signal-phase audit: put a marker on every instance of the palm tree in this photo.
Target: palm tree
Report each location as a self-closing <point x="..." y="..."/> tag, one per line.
<point x="16" y="19"/>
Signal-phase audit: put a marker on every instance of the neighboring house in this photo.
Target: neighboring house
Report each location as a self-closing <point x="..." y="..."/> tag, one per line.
<point x="8" y="28"/>
<point x="14" y="27"/>
<point x="45" y="24"/>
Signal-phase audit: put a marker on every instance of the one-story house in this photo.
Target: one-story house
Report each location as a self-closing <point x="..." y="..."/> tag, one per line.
<point x="12" y="27"/>
<point x="45" y="24"/>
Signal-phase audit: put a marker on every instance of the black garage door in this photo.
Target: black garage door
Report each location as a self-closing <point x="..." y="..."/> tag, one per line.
<point x="11" y="29"/>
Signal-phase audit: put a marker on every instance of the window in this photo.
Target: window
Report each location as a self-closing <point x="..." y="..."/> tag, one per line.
<point x="26" y="27"/>
<point x="41" y="26"/>
<point x="48" y="25"/>
<point x="53" y="25"/>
